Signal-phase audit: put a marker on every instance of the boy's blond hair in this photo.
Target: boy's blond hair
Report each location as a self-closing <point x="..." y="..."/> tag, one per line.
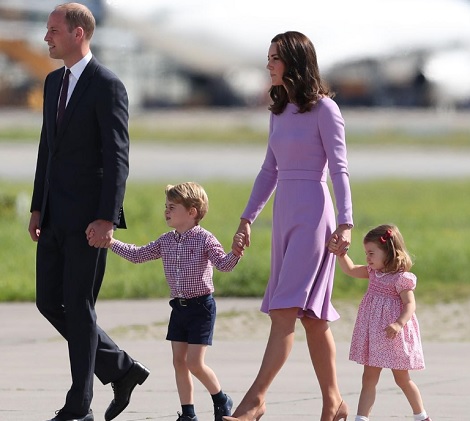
<point x="190" y="195"/>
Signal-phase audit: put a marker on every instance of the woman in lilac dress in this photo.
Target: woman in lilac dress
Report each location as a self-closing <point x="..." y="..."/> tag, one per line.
<point x="306" y="141"/>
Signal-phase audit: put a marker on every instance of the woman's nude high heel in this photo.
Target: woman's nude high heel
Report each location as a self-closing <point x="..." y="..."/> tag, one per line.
<point x="342" y="412"/>
<point x="253" y="415"/>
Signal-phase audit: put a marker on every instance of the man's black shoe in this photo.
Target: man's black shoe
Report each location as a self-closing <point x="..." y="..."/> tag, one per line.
<point x="123" y="388"/>
<point x="61" y="415"/>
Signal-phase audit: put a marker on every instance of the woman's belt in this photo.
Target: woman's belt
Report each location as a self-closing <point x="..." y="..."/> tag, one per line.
<point x="302" y="175"/>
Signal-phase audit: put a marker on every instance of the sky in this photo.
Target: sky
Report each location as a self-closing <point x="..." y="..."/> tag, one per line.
<point x="338" y="28"/>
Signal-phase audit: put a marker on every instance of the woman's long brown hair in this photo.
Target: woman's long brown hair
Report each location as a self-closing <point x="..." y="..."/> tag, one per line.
<point x="302" y="82"/>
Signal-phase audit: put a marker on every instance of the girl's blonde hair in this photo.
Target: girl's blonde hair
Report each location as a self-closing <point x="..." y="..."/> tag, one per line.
<point x="390" y="240"/>
<point x="190" y="195"/>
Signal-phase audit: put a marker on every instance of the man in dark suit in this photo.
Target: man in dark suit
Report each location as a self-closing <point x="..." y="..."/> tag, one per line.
<point x="81" y="172"/>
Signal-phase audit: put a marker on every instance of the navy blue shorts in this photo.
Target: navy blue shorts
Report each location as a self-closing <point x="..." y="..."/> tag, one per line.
<point x="192" y="320"/>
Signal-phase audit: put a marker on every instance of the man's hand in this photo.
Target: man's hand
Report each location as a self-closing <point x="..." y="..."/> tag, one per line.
<point x="99" y="233"/>
<point x="33" y="228"/>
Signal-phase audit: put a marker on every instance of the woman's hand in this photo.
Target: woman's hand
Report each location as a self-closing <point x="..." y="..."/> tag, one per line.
<point x="241" y="239"/>
<point x="340" y="240"/>
<point x="238" y="244"/>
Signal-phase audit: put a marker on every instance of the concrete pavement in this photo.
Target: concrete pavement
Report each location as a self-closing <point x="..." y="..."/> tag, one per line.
<point x="242" y="163"/>
<point x="35" y="371"/>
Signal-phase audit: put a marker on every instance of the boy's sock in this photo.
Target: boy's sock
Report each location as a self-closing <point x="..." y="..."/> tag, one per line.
<point x="219" y="398"/>
<point x="188" y="410"/>
<point x="361" y="418"/>
<point x="420" y="417"/>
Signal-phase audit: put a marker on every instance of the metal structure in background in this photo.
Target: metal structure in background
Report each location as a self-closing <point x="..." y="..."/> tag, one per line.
<point x="148" y="64"/>
<point x="24" y="62"/>
<point x="205" y="53"/>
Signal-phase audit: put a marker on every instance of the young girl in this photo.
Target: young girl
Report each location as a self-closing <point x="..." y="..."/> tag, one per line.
<point x="386" y="333"/>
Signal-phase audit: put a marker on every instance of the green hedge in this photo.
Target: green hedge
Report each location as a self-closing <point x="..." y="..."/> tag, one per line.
<point x="432" y="215"/>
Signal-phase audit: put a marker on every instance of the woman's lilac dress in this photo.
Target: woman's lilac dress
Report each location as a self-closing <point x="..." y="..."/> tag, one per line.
<point x="302" y="148"/>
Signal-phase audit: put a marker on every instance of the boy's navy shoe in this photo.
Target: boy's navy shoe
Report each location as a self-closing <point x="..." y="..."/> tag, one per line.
<point x="61" y="415"/>
<point x="223" y="410"/>
<point x="182" y="417"/>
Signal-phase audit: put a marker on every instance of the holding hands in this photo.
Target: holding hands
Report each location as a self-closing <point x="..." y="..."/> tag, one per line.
<point x="99" y="233"/>
<point x="340" y="240"/>
<point x="241" y="239"/>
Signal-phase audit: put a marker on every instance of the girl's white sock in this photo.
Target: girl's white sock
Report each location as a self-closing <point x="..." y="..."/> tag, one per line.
<point x="420" y="417"/>
<point x="361" y="418"/>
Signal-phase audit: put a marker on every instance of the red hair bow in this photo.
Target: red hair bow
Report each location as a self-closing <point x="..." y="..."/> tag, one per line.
<point x="386" y="236"/>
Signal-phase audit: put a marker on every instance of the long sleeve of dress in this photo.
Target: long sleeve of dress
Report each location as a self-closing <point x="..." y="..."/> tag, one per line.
<point x="331" y="127"/>
<point x="264" y="185"/>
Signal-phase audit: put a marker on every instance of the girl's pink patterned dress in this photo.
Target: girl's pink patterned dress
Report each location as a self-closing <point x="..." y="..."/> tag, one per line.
<point x="381" y="306"/>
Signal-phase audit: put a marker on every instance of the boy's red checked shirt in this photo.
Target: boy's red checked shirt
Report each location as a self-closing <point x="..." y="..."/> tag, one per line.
<point x="188" y="259"/>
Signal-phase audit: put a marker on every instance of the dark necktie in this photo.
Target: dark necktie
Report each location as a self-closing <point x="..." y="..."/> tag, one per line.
<point x="63" y="96"/>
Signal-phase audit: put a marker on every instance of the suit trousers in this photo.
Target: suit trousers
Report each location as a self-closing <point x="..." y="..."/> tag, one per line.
<point x="69" y="274"/>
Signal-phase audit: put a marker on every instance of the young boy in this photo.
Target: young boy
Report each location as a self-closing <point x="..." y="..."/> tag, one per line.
<point x="188" y="254"/>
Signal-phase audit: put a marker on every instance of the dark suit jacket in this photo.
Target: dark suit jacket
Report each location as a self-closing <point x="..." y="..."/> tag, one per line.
<point x="82" y="166"/>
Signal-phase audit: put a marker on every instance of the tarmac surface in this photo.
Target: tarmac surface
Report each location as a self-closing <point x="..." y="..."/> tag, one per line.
<point x="160" y="162"/>
<point x="35" y="370"/>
